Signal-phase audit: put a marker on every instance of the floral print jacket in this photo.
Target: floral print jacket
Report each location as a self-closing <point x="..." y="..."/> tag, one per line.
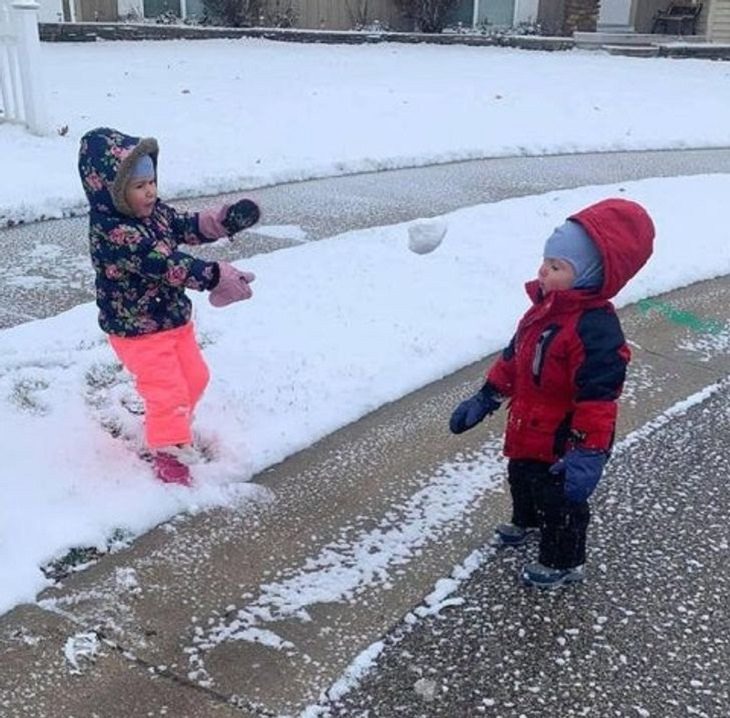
<point x="141" y="276"/>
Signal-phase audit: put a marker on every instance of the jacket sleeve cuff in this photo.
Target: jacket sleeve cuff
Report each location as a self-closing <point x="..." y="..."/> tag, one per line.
<point x="594" y="424"/>
<point x="499" y="380"/>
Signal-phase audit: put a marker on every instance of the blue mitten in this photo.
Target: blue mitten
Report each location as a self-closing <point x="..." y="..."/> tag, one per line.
<point x="583" y="469"/>
<point x="475" y="409"/>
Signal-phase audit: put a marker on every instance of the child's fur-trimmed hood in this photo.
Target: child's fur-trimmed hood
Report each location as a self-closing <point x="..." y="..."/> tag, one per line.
<point x="106" y="160"/>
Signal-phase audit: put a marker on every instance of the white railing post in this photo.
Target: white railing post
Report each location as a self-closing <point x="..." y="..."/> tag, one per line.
<point x="9" y="78"/>
<point x="475" y="14"/>
<point x="29" y="61"/>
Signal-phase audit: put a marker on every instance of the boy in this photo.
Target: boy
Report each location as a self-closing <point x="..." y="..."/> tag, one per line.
<point x="562" y="373"/>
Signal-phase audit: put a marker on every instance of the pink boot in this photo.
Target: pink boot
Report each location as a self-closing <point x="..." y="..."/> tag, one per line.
<point x="170" y="470"/>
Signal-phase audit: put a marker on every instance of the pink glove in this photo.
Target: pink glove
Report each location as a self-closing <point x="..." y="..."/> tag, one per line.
<point x="232" y="286"/>
<point x="210" y="222"/>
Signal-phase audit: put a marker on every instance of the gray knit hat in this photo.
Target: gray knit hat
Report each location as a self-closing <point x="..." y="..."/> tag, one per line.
<point x="573" y="244"/>
<point x="144" y="168"/>
<point x="146" y="146"/>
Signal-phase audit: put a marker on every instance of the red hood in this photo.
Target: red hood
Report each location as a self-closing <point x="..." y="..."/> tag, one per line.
<point x="624" y="235"/>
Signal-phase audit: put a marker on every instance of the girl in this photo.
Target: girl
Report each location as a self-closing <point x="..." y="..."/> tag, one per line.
<point x="141" y="278"/>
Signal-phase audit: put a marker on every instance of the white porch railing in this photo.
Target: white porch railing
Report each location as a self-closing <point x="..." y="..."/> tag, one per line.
<point x="22" y="96"/>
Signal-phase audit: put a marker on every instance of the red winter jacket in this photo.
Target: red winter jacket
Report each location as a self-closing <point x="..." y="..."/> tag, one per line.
<point x="566" y="364"/>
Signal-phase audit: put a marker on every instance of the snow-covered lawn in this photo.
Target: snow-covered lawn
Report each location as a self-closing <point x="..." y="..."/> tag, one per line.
<point x="234" y="114"/>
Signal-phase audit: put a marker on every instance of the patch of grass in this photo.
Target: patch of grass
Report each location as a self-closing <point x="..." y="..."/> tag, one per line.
<point x="79" y="557"/>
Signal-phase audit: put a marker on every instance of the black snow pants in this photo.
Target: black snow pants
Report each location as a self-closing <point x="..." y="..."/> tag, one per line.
<point x="538" y="500"/>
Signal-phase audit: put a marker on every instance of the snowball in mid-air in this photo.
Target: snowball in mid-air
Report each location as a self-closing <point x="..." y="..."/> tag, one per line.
<point x="425" y="235"/>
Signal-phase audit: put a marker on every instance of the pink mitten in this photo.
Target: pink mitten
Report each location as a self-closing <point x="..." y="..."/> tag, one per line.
<point x="232" y="286"/>
<point x="210" y="222"/>
<point x="228" y="219"/>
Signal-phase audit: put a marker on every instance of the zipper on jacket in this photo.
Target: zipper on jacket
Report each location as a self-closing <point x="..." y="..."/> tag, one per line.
<point x="538" y="360"/>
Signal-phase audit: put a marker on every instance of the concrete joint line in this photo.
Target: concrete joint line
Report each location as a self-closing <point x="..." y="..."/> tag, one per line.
<point x="234" y="701"/>
<point x="673" y="359"/>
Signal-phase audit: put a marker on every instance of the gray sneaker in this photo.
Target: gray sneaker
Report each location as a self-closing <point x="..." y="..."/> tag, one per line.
<point x="535" y="574"/>
<point x="511" y="535"/>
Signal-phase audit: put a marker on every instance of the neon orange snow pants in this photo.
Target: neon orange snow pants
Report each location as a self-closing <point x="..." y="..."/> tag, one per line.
<point x="170" y="375"/>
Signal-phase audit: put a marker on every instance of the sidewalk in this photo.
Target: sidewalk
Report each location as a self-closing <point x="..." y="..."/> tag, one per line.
<point x="197" y="618"/>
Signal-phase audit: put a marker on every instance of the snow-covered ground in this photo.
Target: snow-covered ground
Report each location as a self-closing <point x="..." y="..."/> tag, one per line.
<point x="234" y="114"/>
<point x="338" y="327"/>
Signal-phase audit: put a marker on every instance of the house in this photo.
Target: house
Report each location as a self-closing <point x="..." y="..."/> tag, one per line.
<point x="114" y="10"/>
<point x="318" y="14"/>
<point x="635" y="16"/>
<point x="628" y="15"/>
<point x="715" y="23"/>
<point x="638" y="16"/>
<point x="504" y="13"/>
<point x="321" y="14"/>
